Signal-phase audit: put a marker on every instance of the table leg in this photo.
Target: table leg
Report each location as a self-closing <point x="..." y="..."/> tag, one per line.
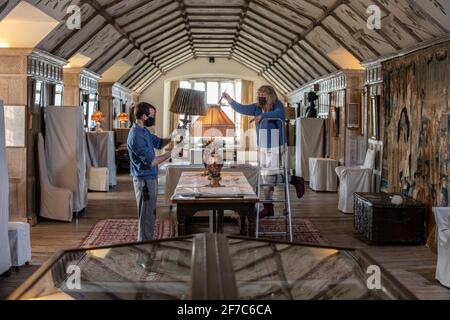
<point x="251" y="216"/>
<point x="220" y="218"/>
<point x="181" y="217"/>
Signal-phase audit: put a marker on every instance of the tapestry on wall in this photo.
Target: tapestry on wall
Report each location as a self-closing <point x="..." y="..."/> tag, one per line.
<point x="416" y="158"/>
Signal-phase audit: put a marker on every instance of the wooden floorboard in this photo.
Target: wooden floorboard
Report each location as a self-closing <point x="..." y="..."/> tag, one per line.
<point x="412" y="265"/>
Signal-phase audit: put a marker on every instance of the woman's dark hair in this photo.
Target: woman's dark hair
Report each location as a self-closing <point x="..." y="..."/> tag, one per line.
<point x="142" y="108"/>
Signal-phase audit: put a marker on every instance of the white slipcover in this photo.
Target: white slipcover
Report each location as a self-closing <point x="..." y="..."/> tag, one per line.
<point x="322" y="174"/>
<point x="310" y="144"/>
<point x="355" y="179"/>
<point x="66" y="152"/>
<point x="5" y="253"/>
<point x="98" y="179"/>
<point x="19" y="242"/>
<point x="56" y="203"/>
<point x="442" y="216"/>
<point x="102" y="153"/>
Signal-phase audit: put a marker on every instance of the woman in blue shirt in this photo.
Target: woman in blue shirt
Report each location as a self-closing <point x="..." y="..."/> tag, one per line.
<point x="271" y="132"/>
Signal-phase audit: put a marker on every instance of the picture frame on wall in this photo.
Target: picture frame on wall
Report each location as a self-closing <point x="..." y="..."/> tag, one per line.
<point x="375" y="117"/>
<point x="354" y="116"/>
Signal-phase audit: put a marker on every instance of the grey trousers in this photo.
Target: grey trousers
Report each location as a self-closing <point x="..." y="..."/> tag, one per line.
<point x="146" y="192"/>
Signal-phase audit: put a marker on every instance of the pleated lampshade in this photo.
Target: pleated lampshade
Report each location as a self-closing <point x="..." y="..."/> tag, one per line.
<point x="213" y="122"/>
<point x="189" y="102"/>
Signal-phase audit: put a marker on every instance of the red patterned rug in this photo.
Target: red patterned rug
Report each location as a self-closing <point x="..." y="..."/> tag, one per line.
<point x="116" y="231"/>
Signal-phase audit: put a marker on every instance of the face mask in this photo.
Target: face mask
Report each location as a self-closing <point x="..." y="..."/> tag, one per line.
<point x="150" y="122"/>
<point x="262" y="101"/>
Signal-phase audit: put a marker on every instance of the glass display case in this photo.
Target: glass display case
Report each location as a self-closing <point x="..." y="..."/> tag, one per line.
<point x="213" y="267"/>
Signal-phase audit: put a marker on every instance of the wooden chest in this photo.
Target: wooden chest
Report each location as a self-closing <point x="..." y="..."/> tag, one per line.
<point x="377" y="220"/>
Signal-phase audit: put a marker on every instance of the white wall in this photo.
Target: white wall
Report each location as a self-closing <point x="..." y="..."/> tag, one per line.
<point x="158" y="93"/>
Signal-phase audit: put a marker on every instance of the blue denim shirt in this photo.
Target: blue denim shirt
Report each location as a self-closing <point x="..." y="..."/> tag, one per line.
<point x="141" y="149"/>
<point x="277" y="112"/>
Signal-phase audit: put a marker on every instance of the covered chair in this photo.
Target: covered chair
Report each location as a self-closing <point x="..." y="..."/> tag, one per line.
<point x="442" y="216"/>
<point x="56" y="203"/>
<point x="5" y="253"/>
<point x="355" y="179"/>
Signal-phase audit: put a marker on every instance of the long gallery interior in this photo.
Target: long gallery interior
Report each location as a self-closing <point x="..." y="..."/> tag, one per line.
<point x="299" y="150"/>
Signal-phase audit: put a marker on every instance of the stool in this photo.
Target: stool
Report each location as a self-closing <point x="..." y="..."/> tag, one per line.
<point x="19" y="242"/>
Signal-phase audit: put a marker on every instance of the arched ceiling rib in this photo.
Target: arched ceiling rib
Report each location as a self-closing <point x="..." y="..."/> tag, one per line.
<point x="288" y="42"/>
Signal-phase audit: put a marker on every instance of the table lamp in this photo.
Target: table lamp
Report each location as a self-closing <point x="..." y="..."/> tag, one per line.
<point x="98" y="117"/>
<point x="188" y="102"/>
<point x="215" y="121"/>
<point x="123" y="118"/>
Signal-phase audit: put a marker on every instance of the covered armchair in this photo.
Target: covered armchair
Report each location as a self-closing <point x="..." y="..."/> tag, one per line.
<point x="442" y="216"/>
<point x="56" y="203"/>
<point x="355" y="179"/>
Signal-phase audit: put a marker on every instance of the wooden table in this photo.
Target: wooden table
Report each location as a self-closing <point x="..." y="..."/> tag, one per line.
<point x="192" y="195"/>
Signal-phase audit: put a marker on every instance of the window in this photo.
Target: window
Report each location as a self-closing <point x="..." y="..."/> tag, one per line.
<point x="213" y="90"/>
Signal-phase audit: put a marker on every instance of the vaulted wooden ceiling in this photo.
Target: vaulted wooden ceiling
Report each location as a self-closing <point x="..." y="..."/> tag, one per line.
<point x="288" y="42"/>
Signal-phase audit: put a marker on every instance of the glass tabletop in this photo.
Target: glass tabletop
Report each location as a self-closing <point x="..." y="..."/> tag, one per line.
<point x="209" y="266"/>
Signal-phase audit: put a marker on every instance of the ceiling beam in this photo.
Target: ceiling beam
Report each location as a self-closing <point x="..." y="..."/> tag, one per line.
<point x="398" y="21"/>
<point x="83" y="43"/>
<point x="361" y="40"/>
<point x="143" y="15"/>
<point x="100" y="11"/>
<point x="383" y="34"/>
<point x="161" y="28"/>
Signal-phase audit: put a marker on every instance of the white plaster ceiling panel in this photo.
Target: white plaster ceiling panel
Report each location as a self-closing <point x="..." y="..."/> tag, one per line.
<point x="161" y="25"/>
<point x="253" y="54"/>
<point x="281" y="12"/>
<point x="315" y="53"/>
<point x="310" y="8"/>
<point x="99" y="41"/>
<point x="305" y="62"/>
<point x="212" y="3"/>
<point x="263" y="37"/>
<point x="62" y="33"/>
<point x="179" y="29"/>
<point x="120" y="8"/>
<point x="146" y="14"/>
<point x="438" y="9"/>
<point x="296" y="76"/>
<point x="322" y="3"/>
<point x="280" y="82"/>
<point x="135" y="73"/>
<point x="248" y="40"/>
<point x="358" y="47"/>
<point x="213" y="24"/>
<point x="110" y="57"/>
<point x="252" y="19"/>
<point x="160" y="47"/>
<point x="175" y="59"/>
<point x="356" y="23"/>
<point x="273" y="32"/>
<point x="214" y="11"/>
<point x="275" y="17"/>
<point x="245" y="62"/>
<point x="265" y="45"/>
<point x="414" y="20"/>
<point x="6" y="6"/>
<point x="388" y="25"/>
<point x="57" y="9"/>
<point x="295" y="67"/>
<point x="133" y="58"/>
<point x="82" y="36"/>
<point x="322" y="41"/>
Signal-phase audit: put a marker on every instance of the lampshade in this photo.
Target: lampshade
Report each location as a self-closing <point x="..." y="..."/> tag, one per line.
<point x="216" y="119"/>
<point x="98" y="116"/>
<point x="122" y="117"/>
<point x="189" y="102"/>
